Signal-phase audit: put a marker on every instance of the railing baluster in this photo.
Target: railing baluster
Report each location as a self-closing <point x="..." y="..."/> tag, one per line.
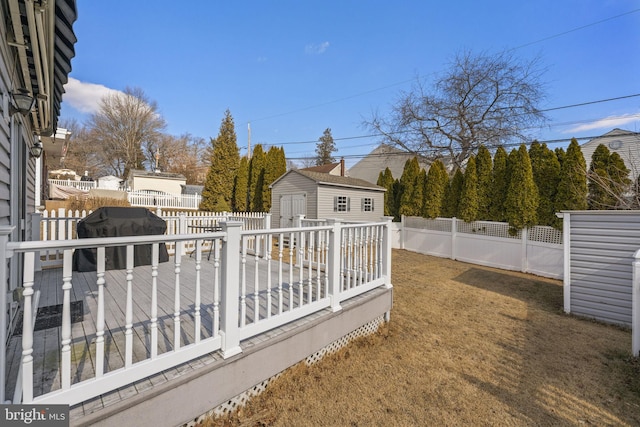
<point x="267" y="251"/>
<point x="280" y="249"/>
<point x="291" y="250"/>
<point x="155" y="252"/>
<point x="66" y="319"/>
<point x="243" y="280"/>
<point x="196" y="315"/>
<point x="100" y="315"/>
<point x="256" y="281"/>
<point x="300" y="261"/>
<point x="310" y="268"/>
<point x="128" y="333"/>
<point x="27" y="329"/>
<point x="176" y="299"/>
<point x="216" y="287"/>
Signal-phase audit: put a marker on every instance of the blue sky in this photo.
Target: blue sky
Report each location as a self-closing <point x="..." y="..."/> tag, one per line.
<point x="294" y="68"/>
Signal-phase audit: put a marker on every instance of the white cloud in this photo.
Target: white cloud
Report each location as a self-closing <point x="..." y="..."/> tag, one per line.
<point x="607" y="122"/>
<point x="85" y="97"/>
<point x="316" y="49"/>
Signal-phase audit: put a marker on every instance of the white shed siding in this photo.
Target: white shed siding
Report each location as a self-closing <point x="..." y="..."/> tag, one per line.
<point x="293" y="184"/>
<point x="326" y="196"/>
<point x="601" y="253"/>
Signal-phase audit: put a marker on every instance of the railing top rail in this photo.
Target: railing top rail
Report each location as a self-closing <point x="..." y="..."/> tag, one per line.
<point x="94" y="242"/>
<point x="285" y="230"/>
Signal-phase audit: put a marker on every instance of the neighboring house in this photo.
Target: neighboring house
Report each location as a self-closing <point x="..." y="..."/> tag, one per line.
<point x="330" y="168"/>
<point x="321" y="195"/>
<point x="109" y="182"/>
<point x="383" y="156"/>
<point x="170" y="183"/>
<point x="192" y="189"/>
<point x="623" y="142"/>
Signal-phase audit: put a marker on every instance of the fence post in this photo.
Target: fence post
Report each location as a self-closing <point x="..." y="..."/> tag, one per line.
<point x="386" y="250"/>
<point x="5" y="232"/>
<point x="62" y="224"/>
<point x="402" y="224"/>
<point x="566" y="247"/>
<point x="36" y="220"/>
<point x="454" y="237"/>
<point x="333" y="264"/>
<point x="635" y="306"/>
<point x="230" y="288"/>
<point x="524" y="240"/>
<point x="300" y="242"/>
<point x="182" y="229"/>
<point x="267" y="237"/>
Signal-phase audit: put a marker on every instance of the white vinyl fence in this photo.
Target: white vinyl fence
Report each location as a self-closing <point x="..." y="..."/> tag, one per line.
<point x="536" y="250"/>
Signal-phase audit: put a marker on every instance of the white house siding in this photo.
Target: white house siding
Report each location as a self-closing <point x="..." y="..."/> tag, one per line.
<point x="5" y="145"/>
<point x="326" y="196"/>
<point x="293" y="184"/>
<point x="168" y="185"/>
<point x="602" y="244"/>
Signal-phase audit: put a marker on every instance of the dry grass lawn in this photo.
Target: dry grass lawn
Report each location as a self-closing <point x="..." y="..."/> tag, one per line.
<point x="466" y="345"/>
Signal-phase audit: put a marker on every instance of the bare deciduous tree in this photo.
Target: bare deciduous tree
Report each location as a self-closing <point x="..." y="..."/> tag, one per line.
<point x="183" y="155"/>
<point x="127" y="127"/>
<point x="480" y="100"/>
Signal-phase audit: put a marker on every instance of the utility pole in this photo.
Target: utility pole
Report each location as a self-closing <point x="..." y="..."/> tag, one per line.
<point x="249" y="142"/>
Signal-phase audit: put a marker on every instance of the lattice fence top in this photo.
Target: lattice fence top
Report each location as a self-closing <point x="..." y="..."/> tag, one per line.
<point x="545" y="234"/>
<point x="438" y="224"/>
<point x="487" y="228"/>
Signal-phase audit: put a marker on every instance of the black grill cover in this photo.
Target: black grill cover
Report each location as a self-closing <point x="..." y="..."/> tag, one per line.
<point x="114" y="222"/>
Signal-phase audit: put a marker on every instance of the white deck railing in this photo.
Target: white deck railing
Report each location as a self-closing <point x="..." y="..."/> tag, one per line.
<point x="297" y="272"/>
<point x="81" y="185"/>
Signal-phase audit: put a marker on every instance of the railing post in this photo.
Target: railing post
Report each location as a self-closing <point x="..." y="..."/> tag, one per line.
<point x="333" y="264"/>
<point x="5" y="232"/>
<point x="230" y="288"/>
<point x="300" y="243"/>
<point x="635" y="306"/>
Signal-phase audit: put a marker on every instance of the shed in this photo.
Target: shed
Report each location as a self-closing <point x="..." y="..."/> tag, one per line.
<point x="321" y="195"/>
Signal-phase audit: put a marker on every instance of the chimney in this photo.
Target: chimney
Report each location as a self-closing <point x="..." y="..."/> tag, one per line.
<point x="342" y="166"/>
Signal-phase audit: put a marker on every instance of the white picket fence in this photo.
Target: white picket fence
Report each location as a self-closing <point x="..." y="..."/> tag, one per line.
<point x="537" y="250"/>
<point x="62" y="224"/>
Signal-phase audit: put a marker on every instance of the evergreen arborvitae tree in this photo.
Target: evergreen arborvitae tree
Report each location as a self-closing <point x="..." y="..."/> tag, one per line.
<point x="218" y="188"/>
<point x="435" y="188"/>
<point x="521" y="205"/>
<point x="499" y="186"/>
<point x="468" y="205"/>
<point x="560" y="153"/>
<point x="325" y="148"/>
<point x="412" y="186"/>
<point x="397" y="194"/>
<point x="256" y="178"/>
<point x="619" y="178"/>
<point x="385" y="179"/>
<point x="484" y="172"/>
<point x="452" y="198"/>
<point x="572" y="188"/>
<point x="276" y="166"/>
<point x="240" y="186"/>
<point x="608" y="180"/>
<point x="546" y="175"/>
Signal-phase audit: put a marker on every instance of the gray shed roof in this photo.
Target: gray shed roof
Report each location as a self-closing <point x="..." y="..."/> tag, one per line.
<point x="333" y="180"/>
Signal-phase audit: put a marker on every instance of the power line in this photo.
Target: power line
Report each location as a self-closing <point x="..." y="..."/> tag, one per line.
<point x="375" y="135"/>
<point x="564" y="33"/>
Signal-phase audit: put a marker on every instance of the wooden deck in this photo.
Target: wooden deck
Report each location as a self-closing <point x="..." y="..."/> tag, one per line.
<point x="85" y="290"/>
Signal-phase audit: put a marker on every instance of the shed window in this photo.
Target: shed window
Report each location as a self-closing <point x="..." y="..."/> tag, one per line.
<point x="367" y="204"/>
<point x="341" y="204"/>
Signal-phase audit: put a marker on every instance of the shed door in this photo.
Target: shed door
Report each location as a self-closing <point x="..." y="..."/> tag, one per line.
<point x="291" y="205"/>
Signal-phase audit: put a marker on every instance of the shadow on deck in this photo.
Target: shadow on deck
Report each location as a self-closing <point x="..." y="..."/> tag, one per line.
<point x="184" y="392"/>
